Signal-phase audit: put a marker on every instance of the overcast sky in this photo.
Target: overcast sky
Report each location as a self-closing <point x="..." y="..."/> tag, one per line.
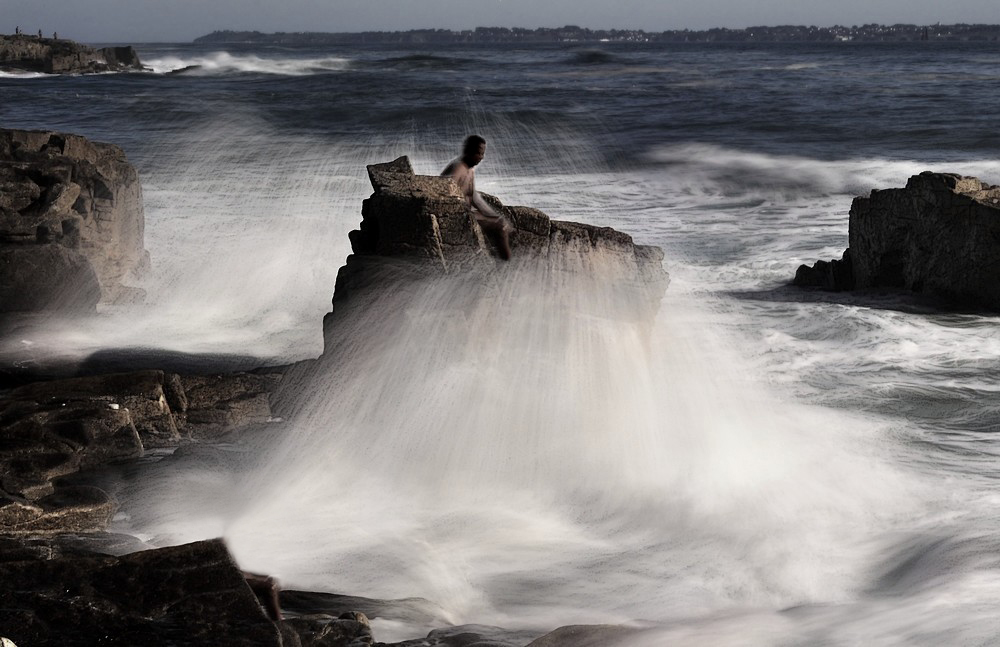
<point x="136" y="21"/>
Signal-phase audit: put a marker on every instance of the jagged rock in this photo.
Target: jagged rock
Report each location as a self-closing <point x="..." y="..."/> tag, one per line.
<point x="122" y="57"/>
<point x="939" y="236"/>
<point x="222" y="403"/>
<point x="73" y="509"/>
<point x="60" y="56"/>
<point x="53" y="429"/>
<point x="45" y="439"/>
<point x="66" y="202"/>
<point x="47" y="276"/>
<point x="51" y="593"/>
<point x="833" y="276"/>
<point x="139" y="395"/>
<point x="416" y="228"/>
<point x="350" y="629"/>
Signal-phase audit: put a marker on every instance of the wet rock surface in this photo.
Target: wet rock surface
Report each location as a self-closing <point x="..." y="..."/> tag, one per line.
<point x="30" y="53"/>
<point x="194" y="594"/>
<point x="939" y="236"/>
<point x="59" y="568"/>
<point x="71" y="223"/>
<point x="416" y="228"/>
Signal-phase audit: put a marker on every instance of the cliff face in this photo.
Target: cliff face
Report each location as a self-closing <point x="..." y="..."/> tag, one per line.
<point x="71" y="222"/>
<point x="417" y="230"/>
<point x="32" y="54"/>
<point x="939" y="236"/>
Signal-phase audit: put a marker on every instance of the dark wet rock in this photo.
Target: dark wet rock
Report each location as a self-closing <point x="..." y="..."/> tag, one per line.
<point x="939" y="236"/>
<point x="586" y="636"/>
<point x="139" y="395"/>
<point x="55" y="429"/>
<point x="22" y="52"/>
<point x="471" y="636"/>
<point x="410" y="610"/>
<point x="54" y="594"/>
<point x="350" y="629"/>
<point x="416" y="228"/>
<point x="834" y="275"/>
<point x="72" y="509"/>
<point x="223" y="403"/>
<point x="47" y="276"/>
<point x="66" y="202"/>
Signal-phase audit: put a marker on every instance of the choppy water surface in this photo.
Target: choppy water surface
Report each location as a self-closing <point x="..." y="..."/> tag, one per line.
<point x="764" y="467"/>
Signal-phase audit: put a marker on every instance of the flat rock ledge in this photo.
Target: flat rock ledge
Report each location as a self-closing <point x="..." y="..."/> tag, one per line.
<point x="21" y="52"/>
<point x="72" y="226"/>
<point x="939" y="237"/>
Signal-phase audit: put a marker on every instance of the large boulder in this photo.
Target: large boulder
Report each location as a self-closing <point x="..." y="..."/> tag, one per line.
<point x="61" y="56"/>
<point x="417" y="229"/>
<point x="71" y="223"/>
<point x="52" y="593"/>
<point x="939" y="236"/>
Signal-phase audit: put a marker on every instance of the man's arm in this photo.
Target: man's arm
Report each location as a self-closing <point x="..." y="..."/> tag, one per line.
<point x="483" y="206"/>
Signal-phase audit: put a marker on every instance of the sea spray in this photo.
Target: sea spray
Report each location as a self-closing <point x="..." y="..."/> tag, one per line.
<point x="526" y="452"/>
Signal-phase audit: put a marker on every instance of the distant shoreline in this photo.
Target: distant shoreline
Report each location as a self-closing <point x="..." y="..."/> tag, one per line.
<point x="573" y="34"/>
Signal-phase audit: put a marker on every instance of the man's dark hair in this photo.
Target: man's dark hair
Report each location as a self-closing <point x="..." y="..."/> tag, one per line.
<point x="472" y="144"/>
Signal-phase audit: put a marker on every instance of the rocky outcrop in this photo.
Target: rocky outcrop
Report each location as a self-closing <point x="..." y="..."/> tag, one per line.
<point x="939" y="236"/>
<point x="59" y="56"/>
<point x="417" y="227"/>
<point x="51" y="430"/>
<point x="71" y="223"/>
<point x="53" y="593"/>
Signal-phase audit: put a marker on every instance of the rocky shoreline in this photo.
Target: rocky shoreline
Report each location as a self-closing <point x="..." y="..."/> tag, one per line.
<point x="24" y="53"/>
<point x="60" y="567"/>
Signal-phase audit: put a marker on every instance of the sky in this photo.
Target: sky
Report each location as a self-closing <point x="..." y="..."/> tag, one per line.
<point x="140" y="21"/>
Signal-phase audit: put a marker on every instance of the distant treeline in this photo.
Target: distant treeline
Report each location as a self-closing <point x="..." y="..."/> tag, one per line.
<point x="570" y="33"/>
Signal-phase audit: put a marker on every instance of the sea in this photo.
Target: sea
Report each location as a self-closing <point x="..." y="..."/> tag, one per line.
<point x="767" y="466"/>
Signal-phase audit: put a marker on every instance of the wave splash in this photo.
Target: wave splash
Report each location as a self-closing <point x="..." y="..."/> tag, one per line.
<point x="534" y="460"/>
<point x="226" y="63"/>
<point x="732" y="171"/>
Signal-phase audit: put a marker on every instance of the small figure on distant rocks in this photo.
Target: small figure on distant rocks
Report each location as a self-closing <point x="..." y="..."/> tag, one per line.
<point x="55" y="35"/>
<point x="17" y="31"/>
<point x="39" y="33"/>
<point x="462" y="170"/>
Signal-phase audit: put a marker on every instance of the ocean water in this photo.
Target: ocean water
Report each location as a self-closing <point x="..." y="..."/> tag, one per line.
<point x="766" y="466"/>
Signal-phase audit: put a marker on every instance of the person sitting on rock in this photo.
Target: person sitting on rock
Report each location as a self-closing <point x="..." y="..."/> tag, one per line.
<point x="462" y="170"/>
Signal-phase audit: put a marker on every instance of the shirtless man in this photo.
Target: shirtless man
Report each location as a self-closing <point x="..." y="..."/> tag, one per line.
<point x="462" y="170"/>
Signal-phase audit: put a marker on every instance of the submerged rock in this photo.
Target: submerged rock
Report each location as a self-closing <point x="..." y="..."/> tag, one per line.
<point x="939" y="236"/>
<point x="21" y="52"/>
<point x="71" y="223"/>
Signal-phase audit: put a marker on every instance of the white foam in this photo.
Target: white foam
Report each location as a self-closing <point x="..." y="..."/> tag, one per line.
<point x="226" y="63"/>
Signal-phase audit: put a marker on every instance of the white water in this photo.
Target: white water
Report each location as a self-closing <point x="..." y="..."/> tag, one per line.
<point x="216" y="63"/>
<point x="536" y="461"/>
